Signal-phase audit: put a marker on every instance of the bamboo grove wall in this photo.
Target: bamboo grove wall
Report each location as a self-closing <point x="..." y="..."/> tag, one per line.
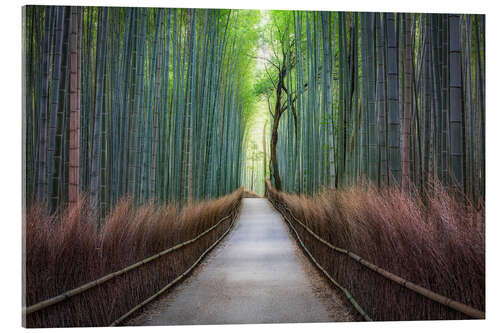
<point x="389" y="98"/>
<point x="139" y="101"/>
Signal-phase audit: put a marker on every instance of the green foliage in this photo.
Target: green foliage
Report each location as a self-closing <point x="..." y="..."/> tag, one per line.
<point x="263" y="85"/>
<point x="171" y="100"/>
<point x="343" y="99"/>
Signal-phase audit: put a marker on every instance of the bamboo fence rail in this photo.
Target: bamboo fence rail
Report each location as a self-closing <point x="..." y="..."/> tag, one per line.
<point x="455" y="305"/>
<point x="78" y="290"/>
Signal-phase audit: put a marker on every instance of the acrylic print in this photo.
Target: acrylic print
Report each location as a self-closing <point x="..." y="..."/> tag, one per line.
<point x="205" y="166"/>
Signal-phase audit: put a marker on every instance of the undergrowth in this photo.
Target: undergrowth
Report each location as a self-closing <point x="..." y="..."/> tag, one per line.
<point x="435" y="241"/>
<point x="67" y="249"/>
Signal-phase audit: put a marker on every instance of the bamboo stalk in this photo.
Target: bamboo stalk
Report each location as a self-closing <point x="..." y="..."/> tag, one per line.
<point x="74" y="131"/>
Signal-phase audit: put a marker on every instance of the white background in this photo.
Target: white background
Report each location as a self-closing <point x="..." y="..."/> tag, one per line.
<point x="11" y="140"/>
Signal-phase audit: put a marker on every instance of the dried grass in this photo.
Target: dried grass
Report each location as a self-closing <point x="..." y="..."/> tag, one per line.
<point x="250" y="194"/>
<point x="434" y="241"/>
<point x="66" y="250"/>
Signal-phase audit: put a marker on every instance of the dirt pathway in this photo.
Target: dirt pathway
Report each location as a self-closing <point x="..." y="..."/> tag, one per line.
<point x="256" y="275"/>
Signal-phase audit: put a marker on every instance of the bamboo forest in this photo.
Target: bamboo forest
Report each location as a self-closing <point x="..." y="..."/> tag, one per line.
<point x="143" y="127"/>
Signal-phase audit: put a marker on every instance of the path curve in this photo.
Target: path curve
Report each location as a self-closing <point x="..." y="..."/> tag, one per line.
<point x="256" y="275"/>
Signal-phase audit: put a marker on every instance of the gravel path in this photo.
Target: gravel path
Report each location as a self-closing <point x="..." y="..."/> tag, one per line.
<point x="256" y="275"/>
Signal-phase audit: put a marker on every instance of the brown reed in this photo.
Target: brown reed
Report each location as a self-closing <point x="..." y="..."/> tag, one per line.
<point x="434" y="240"/>
<point x="67" y="249"/>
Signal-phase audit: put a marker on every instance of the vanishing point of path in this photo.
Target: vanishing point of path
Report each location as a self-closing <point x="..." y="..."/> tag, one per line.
<point x="256" y="275"/>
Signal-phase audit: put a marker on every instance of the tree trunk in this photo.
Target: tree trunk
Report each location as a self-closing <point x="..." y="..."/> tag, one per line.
<point x="276" y="120"/>
<point x="274" y="158"/>
<point x="265" y="157"/>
